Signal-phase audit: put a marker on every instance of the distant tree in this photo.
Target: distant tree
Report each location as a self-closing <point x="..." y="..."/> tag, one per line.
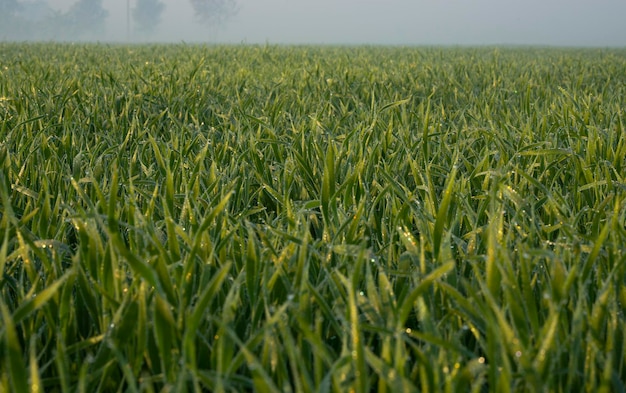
<point x="36" y="20"/>
<point x="35" y="11"/>
<point x="214" y="12"/>
<point x="147" y="15"/>
<point x="86" y="18"/>
<point x="11" y="27"/>
<point x="8" y="8"/>
<point x="32" y="20"/>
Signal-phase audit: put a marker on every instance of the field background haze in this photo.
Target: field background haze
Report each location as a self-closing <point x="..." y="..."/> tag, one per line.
<point x="398" y="22"/>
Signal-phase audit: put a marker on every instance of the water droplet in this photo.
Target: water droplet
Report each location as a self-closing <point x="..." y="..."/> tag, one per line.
<point x="362" y="293"/>
<point x="518" y="354"/>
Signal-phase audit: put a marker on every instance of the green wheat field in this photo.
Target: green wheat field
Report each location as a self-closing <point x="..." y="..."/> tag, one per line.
<point x="186" y="218"/>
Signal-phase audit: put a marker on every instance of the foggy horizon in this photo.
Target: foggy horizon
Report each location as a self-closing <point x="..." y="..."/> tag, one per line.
<point x="392" y="22"/>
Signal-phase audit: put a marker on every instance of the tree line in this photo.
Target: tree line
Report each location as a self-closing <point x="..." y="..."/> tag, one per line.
<point x="85" y="19"/>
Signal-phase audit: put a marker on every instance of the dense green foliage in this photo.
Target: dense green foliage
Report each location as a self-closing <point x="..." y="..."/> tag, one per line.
<point x="312" y="219"/>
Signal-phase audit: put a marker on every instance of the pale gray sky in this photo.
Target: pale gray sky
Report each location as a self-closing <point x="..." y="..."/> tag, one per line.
<point x="419" y="22"/>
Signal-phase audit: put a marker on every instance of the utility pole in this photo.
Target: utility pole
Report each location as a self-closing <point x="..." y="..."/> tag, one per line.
<point x="127" y="20"/>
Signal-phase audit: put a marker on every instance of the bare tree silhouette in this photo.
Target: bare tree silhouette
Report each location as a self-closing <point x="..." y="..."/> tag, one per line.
<point x="86" y="18"/>
<point x="147" y="15"/>
<point x="214" y="12"/>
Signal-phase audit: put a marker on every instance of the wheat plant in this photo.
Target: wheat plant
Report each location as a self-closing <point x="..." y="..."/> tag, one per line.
<point x="312" y="219"/>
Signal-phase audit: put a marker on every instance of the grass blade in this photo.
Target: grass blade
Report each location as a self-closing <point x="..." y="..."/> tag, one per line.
<point x="13" y="356"/>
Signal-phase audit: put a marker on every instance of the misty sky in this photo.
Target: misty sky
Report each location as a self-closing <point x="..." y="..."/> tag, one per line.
<point x="413" y="22"/>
